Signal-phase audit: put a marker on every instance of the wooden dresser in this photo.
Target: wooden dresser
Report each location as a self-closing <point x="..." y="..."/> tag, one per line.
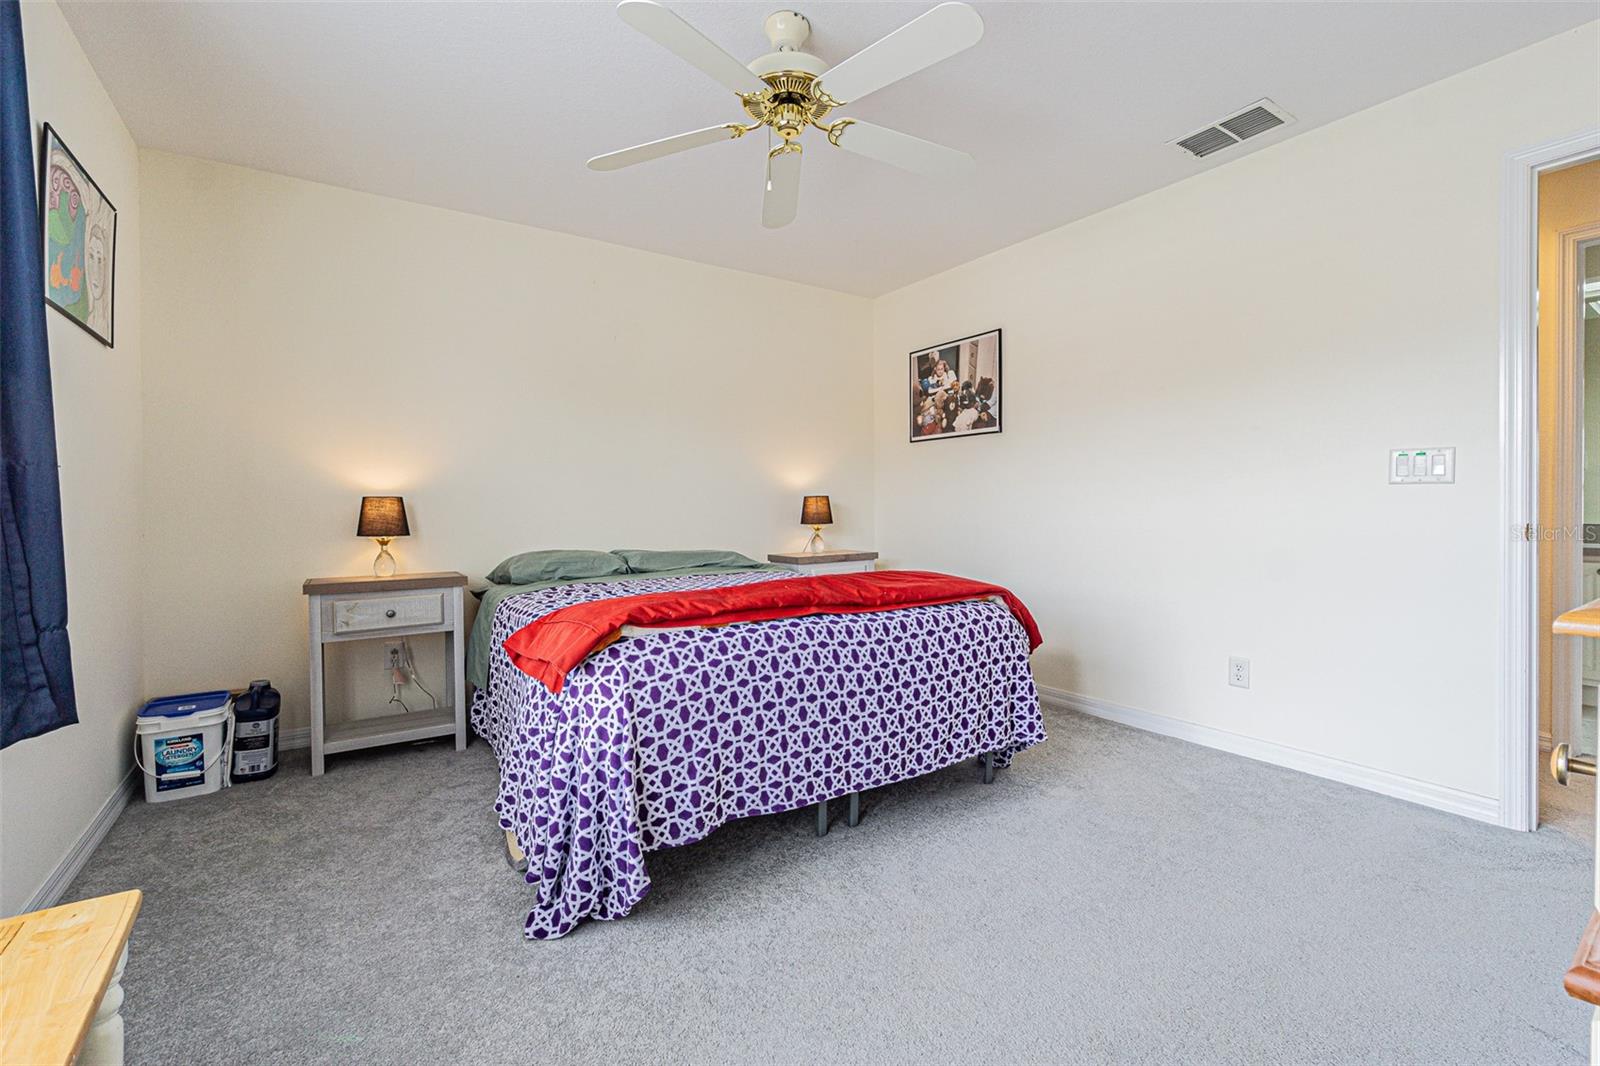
<point x="61" y="982"/>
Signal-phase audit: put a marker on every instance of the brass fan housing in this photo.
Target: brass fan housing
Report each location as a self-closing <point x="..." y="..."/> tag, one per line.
<point x="790" y="103"/>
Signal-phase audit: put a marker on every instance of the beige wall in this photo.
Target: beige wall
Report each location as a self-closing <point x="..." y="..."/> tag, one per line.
<point x="52" y="786"/>
<point x="1567" y="199"/>
<point x="1201" y="388"/>
<point x="521" y="388"/>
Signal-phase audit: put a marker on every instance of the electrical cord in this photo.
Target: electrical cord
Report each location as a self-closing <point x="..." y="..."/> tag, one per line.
<point x="403" y="671"/>
<point x="395" y="698"/>
<point x="411" y="672"/>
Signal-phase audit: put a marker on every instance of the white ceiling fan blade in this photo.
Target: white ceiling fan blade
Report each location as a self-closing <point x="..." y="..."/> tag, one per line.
<point x="782" y="200"/>
<point x="902" y="150"/>
<point x="920" y="43"/>
<point x="668" y="30"/>
<point x="640" y="153"/>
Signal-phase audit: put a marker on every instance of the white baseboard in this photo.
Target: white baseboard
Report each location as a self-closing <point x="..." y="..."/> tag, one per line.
<point x="49" y="893"/>
<point x="1439" y="797"/>
<point x="290" y="739"/>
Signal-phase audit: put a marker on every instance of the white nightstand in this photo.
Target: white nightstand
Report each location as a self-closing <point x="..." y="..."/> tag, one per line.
<point x="825" y="562"/>
<point x="384" y="608"/>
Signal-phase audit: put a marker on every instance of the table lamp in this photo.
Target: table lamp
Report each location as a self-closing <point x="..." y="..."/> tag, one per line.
<point x="816" y="513"/>
<point x="383" y="518"/>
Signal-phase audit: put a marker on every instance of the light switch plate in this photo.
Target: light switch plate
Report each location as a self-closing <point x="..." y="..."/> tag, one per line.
<point x="1422" y="466"/>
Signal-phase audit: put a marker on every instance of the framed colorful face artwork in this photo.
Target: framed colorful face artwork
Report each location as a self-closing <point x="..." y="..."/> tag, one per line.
<point x="80" y="241"/>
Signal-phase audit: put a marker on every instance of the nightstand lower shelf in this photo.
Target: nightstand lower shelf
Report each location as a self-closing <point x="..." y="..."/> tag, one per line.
<point x="390" y="729"/>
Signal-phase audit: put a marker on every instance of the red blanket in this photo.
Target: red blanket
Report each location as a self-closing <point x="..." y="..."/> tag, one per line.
<point x="558" y="642"/>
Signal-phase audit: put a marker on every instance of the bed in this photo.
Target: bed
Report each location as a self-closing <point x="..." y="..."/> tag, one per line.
<point x="658" y="738"/>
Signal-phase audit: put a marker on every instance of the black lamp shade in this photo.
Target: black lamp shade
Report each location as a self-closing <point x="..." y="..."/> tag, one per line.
<point x="815" y="511"/>
<point x="383" y="516"/>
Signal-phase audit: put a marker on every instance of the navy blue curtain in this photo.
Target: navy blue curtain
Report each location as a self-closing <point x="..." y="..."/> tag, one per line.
<point x="36" y="668"/>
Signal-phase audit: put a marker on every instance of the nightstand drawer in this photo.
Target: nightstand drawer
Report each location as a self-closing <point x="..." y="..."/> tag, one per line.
<point x="369" y="613"/>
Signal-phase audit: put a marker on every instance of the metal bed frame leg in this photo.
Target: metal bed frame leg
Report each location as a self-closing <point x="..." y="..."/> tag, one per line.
<point x="853" y="815"/>
<point x="822" y="818"/>
<point x="988" y="767"/>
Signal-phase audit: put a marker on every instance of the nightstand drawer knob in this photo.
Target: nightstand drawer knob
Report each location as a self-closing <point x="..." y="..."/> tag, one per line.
<point x="389" y="613"/>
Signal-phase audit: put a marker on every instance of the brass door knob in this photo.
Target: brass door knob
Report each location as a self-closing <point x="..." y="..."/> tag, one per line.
<point x="1563" y="763"/>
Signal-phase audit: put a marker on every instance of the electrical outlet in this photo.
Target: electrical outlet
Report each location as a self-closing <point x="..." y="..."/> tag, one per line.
<point x="1238" y="672"/>
<point x="393" y="657"/>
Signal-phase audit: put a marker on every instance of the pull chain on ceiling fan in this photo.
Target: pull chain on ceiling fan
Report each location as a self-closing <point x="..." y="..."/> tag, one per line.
<point x="787" y="90"/>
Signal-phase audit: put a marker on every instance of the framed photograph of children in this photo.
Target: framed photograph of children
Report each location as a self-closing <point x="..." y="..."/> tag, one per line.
<point x="80" y="241"/>
<point x="955" y="388"/>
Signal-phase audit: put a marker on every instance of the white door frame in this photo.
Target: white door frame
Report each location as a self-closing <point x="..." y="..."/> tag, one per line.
<point x="1519" y="472"/>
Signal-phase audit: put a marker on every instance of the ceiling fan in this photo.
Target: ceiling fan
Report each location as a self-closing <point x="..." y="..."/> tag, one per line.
<point x="787" y="90"/>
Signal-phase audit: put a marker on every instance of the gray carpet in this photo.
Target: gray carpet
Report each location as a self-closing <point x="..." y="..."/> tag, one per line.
<point x="1114" y="897"/>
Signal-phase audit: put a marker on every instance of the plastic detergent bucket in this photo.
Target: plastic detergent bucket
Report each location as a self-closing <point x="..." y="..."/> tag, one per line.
<point x="180" y="742"/>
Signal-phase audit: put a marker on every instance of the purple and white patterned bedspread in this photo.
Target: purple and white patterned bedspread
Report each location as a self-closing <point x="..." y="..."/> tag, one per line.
<point x="657" y="740"/>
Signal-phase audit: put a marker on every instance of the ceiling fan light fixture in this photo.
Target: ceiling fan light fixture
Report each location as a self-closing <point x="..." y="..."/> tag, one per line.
<point x="786" y="90"/>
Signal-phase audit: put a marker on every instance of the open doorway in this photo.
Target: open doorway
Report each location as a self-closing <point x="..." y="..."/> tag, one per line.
<point x="1584" y="337"/>
<point x="1568" y="545"/>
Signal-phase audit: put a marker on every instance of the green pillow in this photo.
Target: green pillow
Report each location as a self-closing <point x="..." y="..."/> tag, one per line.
<point x="640" y="561"/>
<point x="532" y="567"/>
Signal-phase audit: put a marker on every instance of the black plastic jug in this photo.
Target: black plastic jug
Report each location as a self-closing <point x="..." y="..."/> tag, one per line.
<point x="255" y="732"/>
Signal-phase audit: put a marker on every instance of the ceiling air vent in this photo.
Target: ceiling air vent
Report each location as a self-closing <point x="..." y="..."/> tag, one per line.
<point x="1259" y="117"/>
<point x="1208" y="140"/>
<point x="1256" y="120"/>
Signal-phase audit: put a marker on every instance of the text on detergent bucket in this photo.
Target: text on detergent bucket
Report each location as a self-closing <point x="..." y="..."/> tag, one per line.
<point x="179" y="752"/>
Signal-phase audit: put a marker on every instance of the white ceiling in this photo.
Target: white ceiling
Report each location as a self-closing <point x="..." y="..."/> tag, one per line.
<point x="493" y="109"/>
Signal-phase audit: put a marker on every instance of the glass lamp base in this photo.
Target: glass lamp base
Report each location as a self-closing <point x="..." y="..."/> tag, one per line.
<point x="815" y="543"/>
<point x="384" y="565"/>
